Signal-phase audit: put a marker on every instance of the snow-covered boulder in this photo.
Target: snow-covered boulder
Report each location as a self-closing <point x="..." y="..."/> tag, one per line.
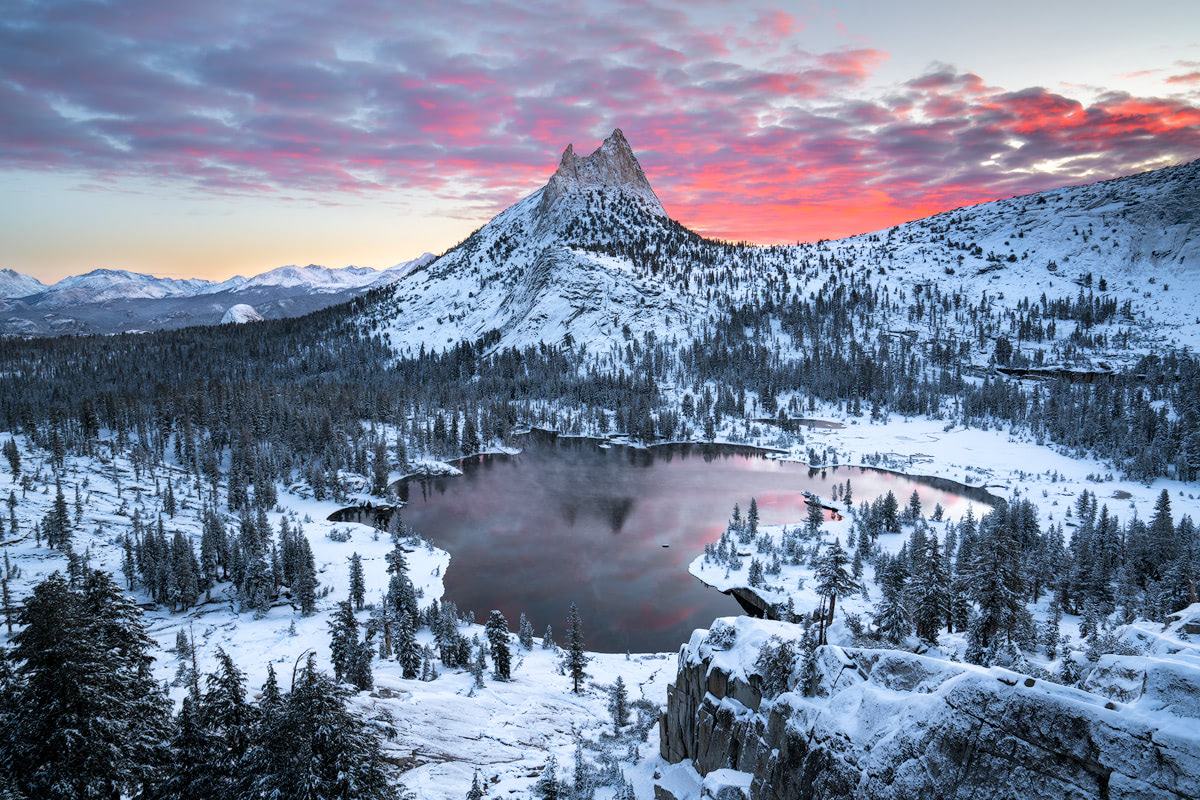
<point x="891" y="724"/>
<point x="239" y="314"/>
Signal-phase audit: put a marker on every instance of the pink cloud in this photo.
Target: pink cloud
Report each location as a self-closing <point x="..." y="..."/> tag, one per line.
<point x="743" y="134"/>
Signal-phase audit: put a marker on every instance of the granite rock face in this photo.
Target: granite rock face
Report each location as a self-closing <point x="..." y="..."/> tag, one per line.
<point x="889" y="724"/>
<point x="612" y="168"/>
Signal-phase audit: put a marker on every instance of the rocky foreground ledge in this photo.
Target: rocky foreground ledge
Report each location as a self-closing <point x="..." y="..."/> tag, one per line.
<point x="891" y="724"/>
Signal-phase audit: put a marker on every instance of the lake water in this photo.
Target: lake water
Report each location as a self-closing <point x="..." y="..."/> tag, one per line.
<point x="568" y="520"/>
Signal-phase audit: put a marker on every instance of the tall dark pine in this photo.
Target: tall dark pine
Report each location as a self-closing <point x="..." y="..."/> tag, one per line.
<point x="343" y="642"/>
<point x="93" y="722"/>
<point x="497" y="634"/>
<point x="312" y="746"/>
<point x="834" y="580"/>
<point x="358" y="586"/>
<point x="575" y="659"/>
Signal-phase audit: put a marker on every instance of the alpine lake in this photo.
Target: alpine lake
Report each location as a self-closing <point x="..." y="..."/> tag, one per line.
<point x="613" y="528"/>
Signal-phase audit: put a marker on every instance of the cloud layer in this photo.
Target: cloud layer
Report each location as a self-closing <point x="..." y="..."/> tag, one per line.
<point x="743" y="134"/>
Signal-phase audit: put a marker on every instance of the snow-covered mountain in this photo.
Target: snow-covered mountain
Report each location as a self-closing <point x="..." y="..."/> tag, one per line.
<point x="14" y="284"/>
<point x="313" y="278"/>
<point x="593" y="255"/>
<point x="395" y="273"/>
<point x="103" y="285"/>
<point x="110" y="301"/>
<point x="527" y="274"/>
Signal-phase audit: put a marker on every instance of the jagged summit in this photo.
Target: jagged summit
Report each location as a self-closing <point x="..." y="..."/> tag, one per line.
<point x="611" y="167"/>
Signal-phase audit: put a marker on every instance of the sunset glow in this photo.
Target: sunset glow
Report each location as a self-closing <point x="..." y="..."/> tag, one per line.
<point x="232" y="137"/>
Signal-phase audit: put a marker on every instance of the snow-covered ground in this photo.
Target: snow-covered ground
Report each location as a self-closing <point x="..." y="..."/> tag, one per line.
<point x="444" y="730"/>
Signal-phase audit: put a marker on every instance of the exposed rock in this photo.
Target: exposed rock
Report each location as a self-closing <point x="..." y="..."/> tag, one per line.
<point x="612" y="166"/>
<point x="240" y="313"/>
<point x="890" y="724"/>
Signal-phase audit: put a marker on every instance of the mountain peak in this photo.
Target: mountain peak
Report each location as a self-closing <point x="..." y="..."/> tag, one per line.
<point x="611" y="166"/>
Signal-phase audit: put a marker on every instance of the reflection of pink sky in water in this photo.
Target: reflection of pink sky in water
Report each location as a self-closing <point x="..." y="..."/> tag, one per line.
<point x="572" y="521"/>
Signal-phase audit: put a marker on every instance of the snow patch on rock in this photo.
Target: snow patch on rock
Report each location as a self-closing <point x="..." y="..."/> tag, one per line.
<point x="240" y="313"/>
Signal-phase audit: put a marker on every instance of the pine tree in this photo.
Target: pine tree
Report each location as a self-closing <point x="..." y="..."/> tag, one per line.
<point x="752" y="519"/>
<point x="6" y="598"/>
<point x="343" y="641"/>
<point x="408" y="652"/>
<point x="380" y="468"/>
<point x="775" y="663"/>
<point x="93" y="721"/>
<point x="478" y="664"/>
<point x="257" y="584"/>
<point x="547" y="786"/>
<point x="14" y="457"/>
<point x="834" y="580"/>
<point x="196" y="755"/>
<point x="548" y="639"/>
<point x="476" y="790"/>
<point x="891" y="614"/>
<point x="227" y="715"/>
<point x="306" y="577"/>
<point x="358" y="587"/>
<point x="929" y="591"/>
<point x="890" y="509"/>
<point x="58" y="522"/>
<point x="497" y="635"/>
<point x="913" y="512"/>
<point x="815" y="518"/>
<point x="618" y="705"/>
<point x="525" y="632"/>
<point x="169" y="501"/>
<point x="314" y="745"/>
<point x="575" y="659"/>
<point x="998" y="586"/>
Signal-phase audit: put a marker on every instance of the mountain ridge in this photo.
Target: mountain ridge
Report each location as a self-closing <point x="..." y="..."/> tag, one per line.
<point x="591" y="256"/>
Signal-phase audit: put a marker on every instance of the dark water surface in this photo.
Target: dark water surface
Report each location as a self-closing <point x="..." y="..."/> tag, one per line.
<point x="568" y="520"/>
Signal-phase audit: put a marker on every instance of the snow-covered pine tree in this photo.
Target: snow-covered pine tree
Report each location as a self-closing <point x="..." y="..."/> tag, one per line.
<point x="408" y="651"/>
<point x="575" y="659"/>
<point x="306" y="576"/>
<point x="834" y="580"/>
<point x="358" y="586"/>
<point x="93" y="721"/>
<point x="618" y="705"/>
<point x="525" y="632"/>
<point x="343" y="640"/>
<point x="929" y="590"/>
<point x="815" y="517"/>
<point x="312" y="745"/>
<point x="497" y="636"/>
<point x="892" y="618"/>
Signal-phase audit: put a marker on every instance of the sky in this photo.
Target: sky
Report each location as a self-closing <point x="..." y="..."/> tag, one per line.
<point x="211" y="139"/>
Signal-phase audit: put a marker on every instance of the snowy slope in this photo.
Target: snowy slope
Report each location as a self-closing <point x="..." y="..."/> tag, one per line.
<point x="313" y="278"/>
<point x="1140" y="234"/>
<point x="521" y="274"/>
<point x="102" y="285"/>
<point x="240" y="313"/>
<point x="14" y="284"/>
<point x="395" y="273"/>
<point x="593" y="252"/>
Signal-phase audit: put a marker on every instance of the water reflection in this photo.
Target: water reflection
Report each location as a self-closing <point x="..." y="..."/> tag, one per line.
<point x="569" y="520"/>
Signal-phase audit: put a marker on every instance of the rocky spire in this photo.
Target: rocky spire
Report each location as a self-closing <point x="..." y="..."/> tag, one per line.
<point x="612" y="166"/>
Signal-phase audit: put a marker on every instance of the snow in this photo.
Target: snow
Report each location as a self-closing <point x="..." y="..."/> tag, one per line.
<point x="240" y="313"/>
<point x="314" y="278"/>
<point x="520" y="277"/>
<point x="13" y="284"/>
<point x="444" y="728"/>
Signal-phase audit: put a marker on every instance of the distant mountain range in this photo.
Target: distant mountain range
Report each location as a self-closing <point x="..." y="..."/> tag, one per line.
<point x="113" y="301"/>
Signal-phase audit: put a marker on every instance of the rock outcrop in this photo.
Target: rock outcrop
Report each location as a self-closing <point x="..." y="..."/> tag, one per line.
<point x="889" y="724"/>
<point x="611" y="168"/>
<point x="240" y="313"/>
